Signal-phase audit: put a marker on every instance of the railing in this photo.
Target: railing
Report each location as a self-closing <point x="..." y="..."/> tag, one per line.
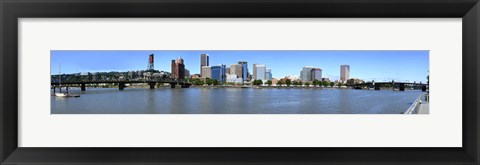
<point x="413" y="109"/>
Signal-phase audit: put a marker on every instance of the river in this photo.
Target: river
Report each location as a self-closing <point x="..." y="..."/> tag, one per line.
<point x="234" y="101"/>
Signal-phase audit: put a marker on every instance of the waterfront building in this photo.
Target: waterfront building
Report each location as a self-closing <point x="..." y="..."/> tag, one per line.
<point x="228" y="70"/>
<point x="344" y="73"/>
<point x="354" y="81"/>
<point x="244" y="70"/>
<point x="187" y="73"/>
<point x="259" y="71"/>
<point x="206" y="72"/>
<point x="292" y="77"/>
<point x="178" y="69"/>
<point x="316" y="74"/>
<point x="268" y="74"/>
<point x="274" y="81"/>
<point x="306" y="74"/>
<point x="234" y="79"/>
<point x="204" y="61"/>
<point x="326" y="79"/>
<point x="219" y="73"/>
<point x="196" y="76"/>
<point x="236" y="69"/>
<point x="254" y="71"/>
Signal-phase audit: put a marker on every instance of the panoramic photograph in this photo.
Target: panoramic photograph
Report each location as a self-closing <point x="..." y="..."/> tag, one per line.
<point x="239" y="82"/>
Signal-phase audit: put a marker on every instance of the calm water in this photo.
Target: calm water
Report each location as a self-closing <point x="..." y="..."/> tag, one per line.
<point x="234" y="101"/>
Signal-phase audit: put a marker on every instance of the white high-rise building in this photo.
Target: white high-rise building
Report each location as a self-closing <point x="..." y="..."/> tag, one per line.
<point x="259" y="71"/>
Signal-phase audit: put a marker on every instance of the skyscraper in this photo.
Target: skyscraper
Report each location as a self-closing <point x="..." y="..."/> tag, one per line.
<point x="344" y="73"/>
<point x="259" y="71"/>
<point x="268" y="74"/>
<point x="236" y="69"/>
<point x="187" y="73"/>
<point x="244" y="70"/>
<point x="206" y="72"/>
<point x="219" y="73"/>
<point x="316" y="74"/>
<point x="204" y="61"/>
<point x="306" y="74"/>
<point x="254" y="76"/>
<point x="178" y="69"/>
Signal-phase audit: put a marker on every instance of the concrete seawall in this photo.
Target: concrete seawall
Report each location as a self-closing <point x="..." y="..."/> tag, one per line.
<point x="419" y="106"/>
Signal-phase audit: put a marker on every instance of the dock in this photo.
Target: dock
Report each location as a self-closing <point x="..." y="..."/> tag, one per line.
<point x="420" y="106"/>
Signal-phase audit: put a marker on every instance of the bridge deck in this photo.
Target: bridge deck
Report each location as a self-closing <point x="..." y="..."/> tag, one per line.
<point x="125" y="82"/>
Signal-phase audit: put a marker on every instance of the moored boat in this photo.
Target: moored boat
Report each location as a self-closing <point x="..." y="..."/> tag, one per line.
<point x="62" y="94"/>
<point x="66" y="95"/>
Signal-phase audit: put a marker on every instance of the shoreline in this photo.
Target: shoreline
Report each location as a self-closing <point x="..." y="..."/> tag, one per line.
<point x="244" y="87"/>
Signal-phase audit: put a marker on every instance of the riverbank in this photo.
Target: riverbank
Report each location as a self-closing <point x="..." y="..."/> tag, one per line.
<point x="291" y="87"/>
<point x="269" y="87"/>
<point x="236" y="86"/>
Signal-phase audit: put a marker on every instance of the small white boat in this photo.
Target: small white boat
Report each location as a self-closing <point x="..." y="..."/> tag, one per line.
<point x="66" y="95"/>
<point x="62" y="94"/>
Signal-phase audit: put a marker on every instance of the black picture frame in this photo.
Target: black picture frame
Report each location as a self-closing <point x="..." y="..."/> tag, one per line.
<point x="11" y="10"/>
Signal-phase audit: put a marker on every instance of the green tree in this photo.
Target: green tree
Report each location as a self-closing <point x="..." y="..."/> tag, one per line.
<point x="257" y="82"/>
<point x="316" y="82"/>
<point x="332" y="84"/>
<point x="199" y="82"/>
<point x="269" y="82"/>
<point x="325" y="83"/>
<point x="196" y="81"/>
<point x="288" y="82"/>
<point x="216" y="82"/>
<point x="307" y="84"/>
<point x="209" y="81"/>
<point x="299" y="83"/>
<point x="280" y="83"/>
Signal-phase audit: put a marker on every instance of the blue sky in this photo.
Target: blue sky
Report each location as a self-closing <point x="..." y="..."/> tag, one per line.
<point x="378" y="65"/>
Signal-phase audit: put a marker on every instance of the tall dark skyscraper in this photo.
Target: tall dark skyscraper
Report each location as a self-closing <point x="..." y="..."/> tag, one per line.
<point x="316" y="74"/>
<point x="244" y="70"/>
<point x="204" y="61"/>
<point x="178" y="69"/>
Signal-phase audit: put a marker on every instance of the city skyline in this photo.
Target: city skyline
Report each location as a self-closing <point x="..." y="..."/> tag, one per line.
<point x="379" y="65"/>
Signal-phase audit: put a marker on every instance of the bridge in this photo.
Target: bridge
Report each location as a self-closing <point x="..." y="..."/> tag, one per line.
<point x="394" y="85"/>
<point x="74" y="80"/>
